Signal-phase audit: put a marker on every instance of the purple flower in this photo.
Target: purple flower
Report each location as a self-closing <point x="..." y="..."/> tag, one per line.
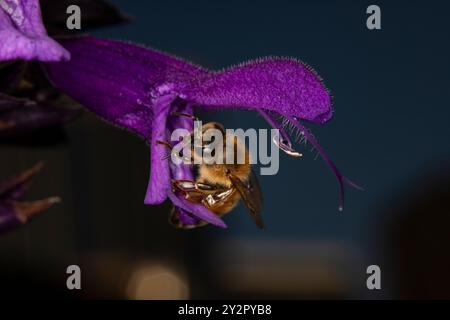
<point x="14" y="211"/>
<point x="23" y="35"/>
<point x="139" y="89"/>
<point x="27" y="101"/>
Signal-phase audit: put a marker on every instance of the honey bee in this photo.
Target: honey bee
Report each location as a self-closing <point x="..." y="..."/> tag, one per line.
<point x="220" y="186"/>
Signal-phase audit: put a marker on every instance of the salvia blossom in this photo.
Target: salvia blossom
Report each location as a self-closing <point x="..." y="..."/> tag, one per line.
<point x="14" y="211"/>
<point x="142" y="90"/>
<point x="24" y="36"/>
<point x="23" y="33"/>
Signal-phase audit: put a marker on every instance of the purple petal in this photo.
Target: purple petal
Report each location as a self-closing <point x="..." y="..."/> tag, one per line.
<point x="119" y="82"/>
<point x="286" y="86"/>
<point x="182" y="218"/>
<point x="159" y="183"/>
<point x="23" y="35"/>
<point x="197" y="210"/>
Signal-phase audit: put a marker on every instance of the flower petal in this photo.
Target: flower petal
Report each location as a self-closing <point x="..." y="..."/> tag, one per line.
<point x="119" y="82"/>
<point x="197" y="210"/>
<point x="182" y="219"/>
<point x="286" y="86"/>
<point x="159" y="183"/>
<point x="23" y="35"/>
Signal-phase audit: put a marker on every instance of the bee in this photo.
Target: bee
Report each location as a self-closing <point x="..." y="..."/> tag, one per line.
<point x="219" y="186"/>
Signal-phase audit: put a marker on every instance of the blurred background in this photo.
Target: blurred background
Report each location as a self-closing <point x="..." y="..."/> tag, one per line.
<point x="390" y="134"/>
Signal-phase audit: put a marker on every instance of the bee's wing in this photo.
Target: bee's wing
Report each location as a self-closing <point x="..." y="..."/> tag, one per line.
<point x="251" y="195"/>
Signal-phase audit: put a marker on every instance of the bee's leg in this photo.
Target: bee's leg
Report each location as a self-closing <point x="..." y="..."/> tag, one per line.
<point x="170" y="147"/>
<point x="188" y="189"/>
<point x="191" y="185"/>
<point x="165" y="143"/>
<point x="183" y="185"/>
<point x="193" y="191"/>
